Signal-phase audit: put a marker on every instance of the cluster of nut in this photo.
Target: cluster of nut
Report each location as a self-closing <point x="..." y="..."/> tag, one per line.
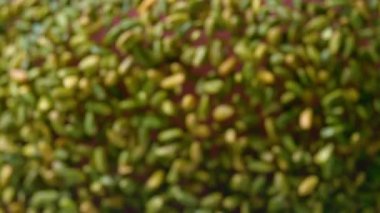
<point x="192" y="105"/>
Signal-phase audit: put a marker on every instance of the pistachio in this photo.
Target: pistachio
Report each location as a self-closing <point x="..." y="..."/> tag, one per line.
<point x="155" y="180"/>
<point x="87" y="206"/>
<point x="274" y="35"/>
<point x="223" y="112"/>
<point x="317" y="23"/>
<point x="260" y="167"/>
<point x="230" y="202"/>
<point x="212" y="200"/>
<point x="324" y="154"/>
<point x="308" y="185"/>
<point x="227" y="66"/>
<point x="270" y="128"/>
<point x="335" y="42"/>
<point x="201" y="131"/>
<point x="125" y="65"/>
<point x="183" y="197"/>
<point x="155" y="204"/>
<point x="8" y="195"/>
<point x="44" y="197"/>
<point x="170" y="134"/>
<point x="89" y="63"/>
<point x="89" y="124"/>
<point x="260" y="51"/>
<point x="168" y="108"/>
<point x="212" y="86"/>
<point x="215" y="53"/>
<point x="230" y="136"/>
<point x="5" y="174"/>
<point x="266" y="77"/>
<point x="18" y="75"/>
<point x="306" y="119"/>
<point x="125" y="37"/>
<point x="188" y="102"/>
<point x="44" y="104"/>
<point x="199" y="56"/>
<point x="195" y="152"/>
<point x="190" y="120"/>
<point x="70" y="82"/>
<point x="173" y="81"/>
<point x="99" y="158"/>
<point x="203" y="107"/>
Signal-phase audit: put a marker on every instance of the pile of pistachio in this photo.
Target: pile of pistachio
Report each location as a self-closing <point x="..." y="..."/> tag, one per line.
<point x="189" y="106"/>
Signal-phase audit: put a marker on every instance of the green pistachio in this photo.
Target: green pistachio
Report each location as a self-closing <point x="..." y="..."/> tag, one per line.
<point x="308" y="185"/>
<point x="170" y="134"/>
<point x="89" y="63"/>
<point x="223" y="112"/>
<point x="173" y="81"/>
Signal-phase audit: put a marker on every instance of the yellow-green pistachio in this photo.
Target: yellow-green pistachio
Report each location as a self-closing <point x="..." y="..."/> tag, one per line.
<point x="227" y="66"/>
<point x="324" y="154"/>
<point x="191" y="120"/>
<point x="195" y="152"/>
<point x="70" y="82"/>
<point x="89" y="63"/>
<point x="87" y="206"/>
<point x="168" y="108"/>
<point x="223" y="112"/>
<point x="335" y="42"/>
<point x="212" y="200"/>
<point x="44" y="104"/>
<point x="155" y="180"/>
<point x="212" y="86"/>
<point x="201" y="130"/>
<point x="155" y="204"/>
<point x="274" y="35"/>
<point x="173" y="81"/>
<point x="307" y="185"/>
<point x="188" y="102"/>
<point x="170" y="134"/>
<point x="5" y="174"/>
<point x="260" y="51"/>
<point x="266" y="77"/>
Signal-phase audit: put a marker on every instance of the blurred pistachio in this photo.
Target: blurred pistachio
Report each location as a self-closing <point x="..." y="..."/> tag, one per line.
<point x="308" y="185"/>
<point x="223" y="112"/>
<point x="173" y="81"/>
